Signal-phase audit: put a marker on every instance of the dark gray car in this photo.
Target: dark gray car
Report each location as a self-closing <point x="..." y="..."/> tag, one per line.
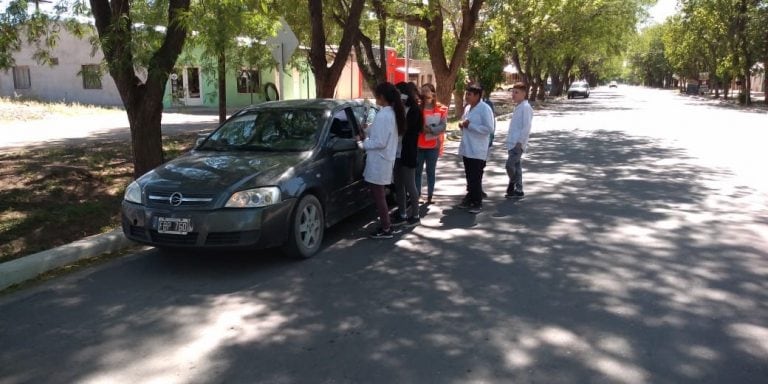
<point x="274" y="174"/>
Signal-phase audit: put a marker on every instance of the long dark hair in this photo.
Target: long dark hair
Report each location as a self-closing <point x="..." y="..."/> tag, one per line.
<point x="411" y="102"/>
<point x="408" y="89"/>
<point x="389" y="93"/>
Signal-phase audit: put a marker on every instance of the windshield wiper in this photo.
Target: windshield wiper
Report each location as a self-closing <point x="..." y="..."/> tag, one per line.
<point x="257" y="148"/>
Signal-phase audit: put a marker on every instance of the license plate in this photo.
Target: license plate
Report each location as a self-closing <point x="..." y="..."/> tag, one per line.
<point x="174" y="226"/>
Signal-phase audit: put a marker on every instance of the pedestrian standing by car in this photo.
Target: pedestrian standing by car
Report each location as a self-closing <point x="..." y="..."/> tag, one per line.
<point x="380" y="146"/>
<point x="431" y="138"/>
<point x="476" y="125"/>
<point x="405" y="165"/>
<point x="517" y="140"/>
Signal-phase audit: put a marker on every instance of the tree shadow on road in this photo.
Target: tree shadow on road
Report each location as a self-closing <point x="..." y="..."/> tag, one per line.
<point x="623" y="264"/>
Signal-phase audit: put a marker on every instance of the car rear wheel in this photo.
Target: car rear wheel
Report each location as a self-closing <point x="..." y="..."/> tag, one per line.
<point x="307" y="228"/>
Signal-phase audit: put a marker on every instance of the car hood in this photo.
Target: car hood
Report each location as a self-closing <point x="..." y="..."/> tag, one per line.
<point x="217" y="171"/>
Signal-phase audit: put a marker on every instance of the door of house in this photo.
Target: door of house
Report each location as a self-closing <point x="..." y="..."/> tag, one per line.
<point x="192" y="86"/>
<point x="185" y="86"/>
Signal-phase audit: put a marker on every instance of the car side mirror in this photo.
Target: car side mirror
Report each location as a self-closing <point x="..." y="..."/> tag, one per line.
<point x="200" y="139"/>
<point x="342" y="145"/>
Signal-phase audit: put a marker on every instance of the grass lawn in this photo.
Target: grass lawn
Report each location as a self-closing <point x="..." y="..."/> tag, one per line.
<point x="54" y="194"/>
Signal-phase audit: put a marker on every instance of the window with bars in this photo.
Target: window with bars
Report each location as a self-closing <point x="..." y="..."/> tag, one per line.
<point x="21" y="79"/>
<point x="91" y="74"/>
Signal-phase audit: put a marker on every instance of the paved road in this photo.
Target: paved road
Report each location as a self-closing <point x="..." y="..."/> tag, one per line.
<point x="104" y="125"/>
<point x="639" y="256"/>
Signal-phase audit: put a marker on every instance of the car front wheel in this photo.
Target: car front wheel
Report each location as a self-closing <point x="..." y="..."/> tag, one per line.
<point x="307" y="228"/>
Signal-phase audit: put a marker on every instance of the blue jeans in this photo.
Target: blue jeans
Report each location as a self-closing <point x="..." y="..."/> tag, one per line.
<point x="430" y="157"/>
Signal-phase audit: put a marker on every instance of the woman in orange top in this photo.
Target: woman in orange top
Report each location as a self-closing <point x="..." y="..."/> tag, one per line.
<point x="431" y="138"/>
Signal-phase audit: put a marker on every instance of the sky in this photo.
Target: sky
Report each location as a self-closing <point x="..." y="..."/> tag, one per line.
<point x="662" y="10"/>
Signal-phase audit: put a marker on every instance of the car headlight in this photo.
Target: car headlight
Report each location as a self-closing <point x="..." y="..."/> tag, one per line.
<point x="253" y="198"/>
<point x="133" y="193"/>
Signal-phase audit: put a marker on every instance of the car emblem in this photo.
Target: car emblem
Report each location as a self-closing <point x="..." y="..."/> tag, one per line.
<point x="175" y="199"/>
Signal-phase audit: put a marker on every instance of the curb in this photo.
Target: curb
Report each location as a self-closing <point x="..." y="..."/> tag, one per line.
<point x="29" y="267"/>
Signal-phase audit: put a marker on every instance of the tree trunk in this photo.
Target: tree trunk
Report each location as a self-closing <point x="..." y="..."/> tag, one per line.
<point x="433" y="22"/>
<point x="327" y="77"/>
<point x="143" y="100"/>
<point x="373" y="72"/>
<point x="747" y="86"/>
<point x="458" y="97"/>
<point x="145" y="118"/>
<point x="765" y="78"/>
<point x="222" y="69"/>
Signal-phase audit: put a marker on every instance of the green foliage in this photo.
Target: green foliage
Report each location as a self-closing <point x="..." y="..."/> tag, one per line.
<point x="233" y="29"/>
<point x="565" y="38"/>
<point x="647" y="59"/>
<point x="40" y="29"/>
<point x="485" y="64"/>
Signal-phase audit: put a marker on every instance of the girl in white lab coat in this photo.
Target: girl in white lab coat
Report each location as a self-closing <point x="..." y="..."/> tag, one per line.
<point x="381" y="148"/>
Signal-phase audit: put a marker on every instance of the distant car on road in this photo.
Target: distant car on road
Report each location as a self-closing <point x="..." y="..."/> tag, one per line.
<point x="578" y="88"/>
<point x="504" y="87"/>
<point x="613" y="84"/>
<point x="273" y="174"/>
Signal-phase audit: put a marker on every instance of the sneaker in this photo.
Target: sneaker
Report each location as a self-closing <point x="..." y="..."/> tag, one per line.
<point x="475" y="208"/>
<point x="412" y="221"/>
<point x="397" y="221"/>
<point x="514" y="195"/>
<point x="462" y="205"/>
<point x="381" y="234"/>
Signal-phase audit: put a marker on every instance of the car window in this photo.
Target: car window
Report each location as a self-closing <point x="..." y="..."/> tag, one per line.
<point x="364" y="114"/>
<point x="271" y="129"/>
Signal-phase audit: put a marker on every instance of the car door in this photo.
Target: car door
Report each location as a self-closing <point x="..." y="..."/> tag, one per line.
<point x="345" y="164"/>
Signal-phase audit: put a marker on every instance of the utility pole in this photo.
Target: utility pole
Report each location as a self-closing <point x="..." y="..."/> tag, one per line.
<point x="407" y="55"/>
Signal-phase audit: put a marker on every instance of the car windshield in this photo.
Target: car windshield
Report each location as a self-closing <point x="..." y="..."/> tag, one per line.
<point x="268" y="130"/>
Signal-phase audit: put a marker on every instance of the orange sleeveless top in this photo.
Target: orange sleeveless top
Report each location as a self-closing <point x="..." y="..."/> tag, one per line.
<point x="427" y="141"/>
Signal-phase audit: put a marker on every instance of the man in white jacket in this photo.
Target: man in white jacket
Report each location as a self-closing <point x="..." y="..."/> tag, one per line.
<point x="476" y="125"/>
<point x="517" y="140"/>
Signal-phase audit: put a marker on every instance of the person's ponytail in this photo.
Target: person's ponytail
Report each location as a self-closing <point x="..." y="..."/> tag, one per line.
<point x="392" y="96"/>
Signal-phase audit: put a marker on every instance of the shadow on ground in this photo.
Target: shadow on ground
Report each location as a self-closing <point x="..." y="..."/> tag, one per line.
<point x="56" y="192"/>
<point x="622" y="265"/>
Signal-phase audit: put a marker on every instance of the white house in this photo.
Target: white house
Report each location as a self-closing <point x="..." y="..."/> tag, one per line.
<point x="73" y="76"/>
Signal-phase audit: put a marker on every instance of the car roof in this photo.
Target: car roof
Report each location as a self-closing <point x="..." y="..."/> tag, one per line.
<point x="327" y="104"/>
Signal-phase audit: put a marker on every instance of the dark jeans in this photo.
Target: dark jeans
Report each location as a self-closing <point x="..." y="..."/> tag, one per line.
<point x="473" y="168"/>
<point x="428" y="156"/>
<point x="380" y="199"/>
<point x="405" y="186"/>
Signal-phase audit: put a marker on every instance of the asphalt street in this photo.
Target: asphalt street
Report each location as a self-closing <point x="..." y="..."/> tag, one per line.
<point x="639" y="255"/>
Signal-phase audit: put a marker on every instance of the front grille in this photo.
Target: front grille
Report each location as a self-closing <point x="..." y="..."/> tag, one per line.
<point x="188" y="239"/>
<point x="222" y="238"/>
<point x="163" y="199"/>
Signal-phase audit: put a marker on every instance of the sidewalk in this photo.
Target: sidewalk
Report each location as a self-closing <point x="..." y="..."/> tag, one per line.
<point x="29" y="267"/>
